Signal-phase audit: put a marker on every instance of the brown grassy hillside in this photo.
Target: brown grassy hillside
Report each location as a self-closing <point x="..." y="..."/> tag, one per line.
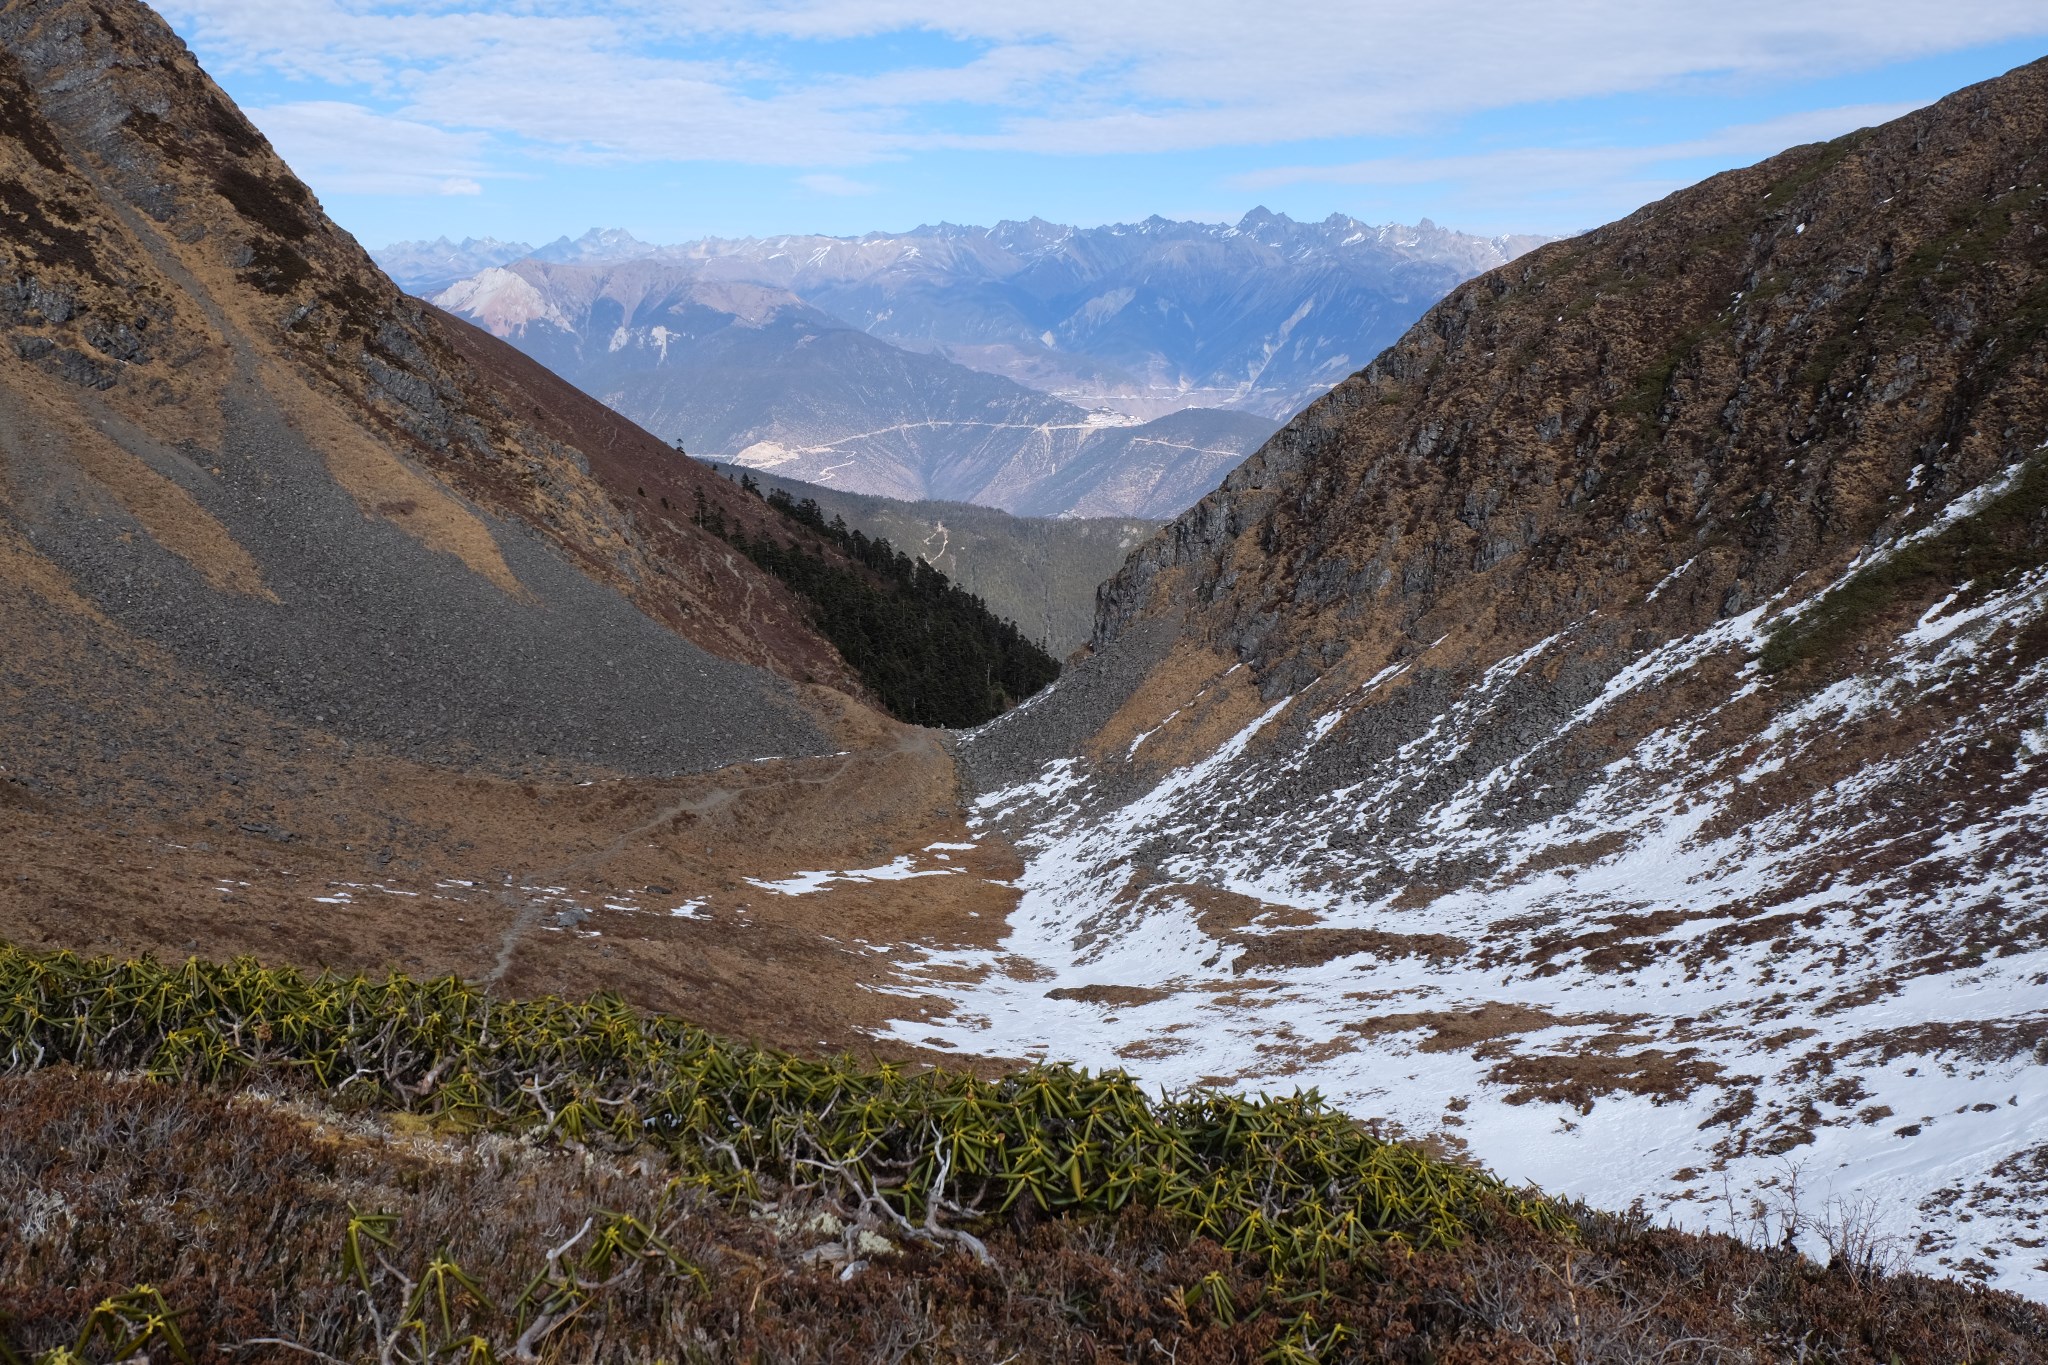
<point x="335" y="630"/>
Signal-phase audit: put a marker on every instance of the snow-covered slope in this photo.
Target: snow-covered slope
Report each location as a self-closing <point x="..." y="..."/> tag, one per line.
<point x="1610" y="732"/>
<point x="1704" y="974"/>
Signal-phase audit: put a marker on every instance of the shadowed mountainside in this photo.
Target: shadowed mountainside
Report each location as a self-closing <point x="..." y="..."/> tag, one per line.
<point x="1041" y="572"/>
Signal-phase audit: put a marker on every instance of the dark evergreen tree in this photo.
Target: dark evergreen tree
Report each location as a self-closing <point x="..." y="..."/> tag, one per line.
<point x="932" y="653"/>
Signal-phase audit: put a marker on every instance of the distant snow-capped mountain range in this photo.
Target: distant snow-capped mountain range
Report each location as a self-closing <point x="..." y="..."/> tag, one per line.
<point x="755" y="376"/>
<point x="1217" y="331"/>
<point x="1145" y="317"/>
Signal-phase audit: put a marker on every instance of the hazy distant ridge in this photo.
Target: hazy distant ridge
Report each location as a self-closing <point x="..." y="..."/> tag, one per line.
<point x="754" y="375"/>
<point x="1143" y="318"/>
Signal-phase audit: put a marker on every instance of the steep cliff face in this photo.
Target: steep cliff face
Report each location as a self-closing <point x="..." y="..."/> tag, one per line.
<point x="1608" y="729"/>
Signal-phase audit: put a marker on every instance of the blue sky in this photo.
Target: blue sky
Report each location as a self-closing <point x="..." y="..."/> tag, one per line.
<point x="684" y="118"/>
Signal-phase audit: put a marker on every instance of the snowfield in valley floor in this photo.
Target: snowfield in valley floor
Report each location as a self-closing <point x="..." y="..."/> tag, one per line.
<point x="1685" y="987"/>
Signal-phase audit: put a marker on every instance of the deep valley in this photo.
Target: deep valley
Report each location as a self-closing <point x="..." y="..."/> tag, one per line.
<point x="1597" y="745"/>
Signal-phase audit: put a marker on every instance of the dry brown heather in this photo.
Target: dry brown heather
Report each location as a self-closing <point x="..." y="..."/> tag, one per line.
<point x="444" y="872"/>
<point x="235" y="1208"/>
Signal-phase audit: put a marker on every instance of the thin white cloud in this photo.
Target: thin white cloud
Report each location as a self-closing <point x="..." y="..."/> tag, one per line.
<point x="1522" y="169"/>
<point x="347" y="148"/>
<point x="623" y="106"/>
<point x="630" y="79"/>
<point x="838" y="185"/>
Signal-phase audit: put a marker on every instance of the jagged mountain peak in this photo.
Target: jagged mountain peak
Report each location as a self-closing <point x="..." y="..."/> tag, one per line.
<point x="500" y="301"/>
<point x="444" y="245"/>
<point x="595" y="245"/>
<point x="429" y="267"/>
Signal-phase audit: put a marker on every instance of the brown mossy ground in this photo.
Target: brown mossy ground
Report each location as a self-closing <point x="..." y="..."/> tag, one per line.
<point x="235" y="1207"/>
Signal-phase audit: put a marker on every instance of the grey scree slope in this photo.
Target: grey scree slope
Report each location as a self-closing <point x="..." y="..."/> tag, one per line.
<point x="378" y="638"/>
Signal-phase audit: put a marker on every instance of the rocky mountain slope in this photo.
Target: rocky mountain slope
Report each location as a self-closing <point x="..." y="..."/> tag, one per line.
<point x="1139" y="318"/>
<point x="228" y="431"/>
<point x="1607" y="731"/>
<point x="1041" y="572"/>
<point x="752" y="375"/>
<point x="334" y="630"/>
